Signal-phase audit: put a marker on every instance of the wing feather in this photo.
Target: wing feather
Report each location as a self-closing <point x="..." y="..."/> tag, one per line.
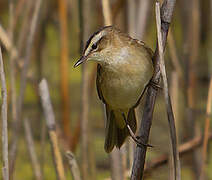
<point x="98" y="83"/>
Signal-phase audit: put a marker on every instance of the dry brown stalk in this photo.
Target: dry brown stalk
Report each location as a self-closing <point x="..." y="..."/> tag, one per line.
<point x="50" y="123"/>
<point x="106" y="12"/>
<point x="64" y="68"/>
<point x="75" y="172"/>
<point x="5" y="166"/>
<point x="10" y="47"/>
<point x="131" y="5"/>
<point x="170" y="114"/>
<point x="206" y="132"/>
<point x="6" y="41"/>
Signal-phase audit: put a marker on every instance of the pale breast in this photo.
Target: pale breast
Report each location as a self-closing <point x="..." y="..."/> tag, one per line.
<point x="122" y="86"/>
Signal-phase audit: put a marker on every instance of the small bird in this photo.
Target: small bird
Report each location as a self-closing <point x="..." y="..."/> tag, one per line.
<point x="124" y="69"/>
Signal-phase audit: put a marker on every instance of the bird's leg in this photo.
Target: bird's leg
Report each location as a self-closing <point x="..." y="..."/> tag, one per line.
<point x="155" y="85"/>
<point x="136" y="139"/>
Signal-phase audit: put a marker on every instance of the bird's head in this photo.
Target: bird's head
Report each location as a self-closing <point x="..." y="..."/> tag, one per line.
<point x="99" y="46"/>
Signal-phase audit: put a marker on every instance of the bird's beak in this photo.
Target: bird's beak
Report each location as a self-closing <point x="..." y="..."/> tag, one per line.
<point x="81" y="60"/>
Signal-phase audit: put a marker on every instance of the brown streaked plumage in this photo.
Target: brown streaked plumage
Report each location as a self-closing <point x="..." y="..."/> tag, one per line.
<point x="124" y="70"/>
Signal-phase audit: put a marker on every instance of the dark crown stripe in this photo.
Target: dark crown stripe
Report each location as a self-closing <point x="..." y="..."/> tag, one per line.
<point x="94" y="34"/>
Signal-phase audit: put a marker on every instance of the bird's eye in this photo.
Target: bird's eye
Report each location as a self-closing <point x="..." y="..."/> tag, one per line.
<point x="94" y="46"/>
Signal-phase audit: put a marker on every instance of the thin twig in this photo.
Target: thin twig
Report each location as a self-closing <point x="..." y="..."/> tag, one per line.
<point x="50" y="122"/>
<point x="73" y="166"/>
<point x="170" y="113"/>
<point x="6" y="41"/>
<point x="5" y="168"/>
<point x="206" y="132"/>
<point x="10" y="47"/>
<point x="31" y="149"/>
<point x="144" y="130"/>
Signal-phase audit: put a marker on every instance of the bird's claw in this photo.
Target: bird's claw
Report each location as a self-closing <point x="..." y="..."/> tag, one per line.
<point x="155" y="85"/>
<point x="141" y="143"/>
<point x="135" y="138"/>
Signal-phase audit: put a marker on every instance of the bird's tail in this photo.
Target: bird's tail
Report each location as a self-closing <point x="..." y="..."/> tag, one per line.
<point x="115" y="133"/>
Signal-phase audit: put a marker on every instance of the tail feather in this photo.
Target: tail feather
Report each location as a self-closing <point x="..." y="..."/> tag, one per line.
<point x="121" y="136"/>
<point x="111" y="132"/>
<point x="115" y="136"/>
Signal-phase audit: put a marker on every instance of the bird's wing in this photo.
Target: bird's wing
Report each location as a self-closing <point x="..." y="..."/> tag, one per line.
<point x="98" y="83"/>
<point x="149" y="50"/>
<point x="111" y="130"/>
<point x="151" y="53"/>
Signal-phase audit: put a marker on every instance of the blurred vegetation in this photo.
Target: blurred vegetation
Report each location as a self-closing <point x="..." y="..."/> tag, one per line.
<point x="45" y="62"/>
